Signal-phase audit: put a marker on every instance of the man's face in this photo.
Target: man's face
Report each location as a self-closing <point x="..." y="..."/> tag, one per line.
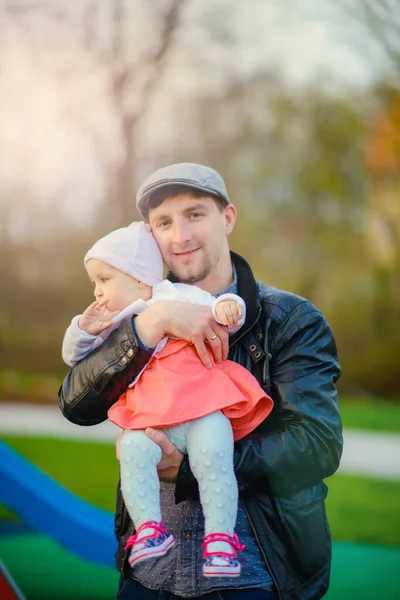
<point x="192" y="236"/>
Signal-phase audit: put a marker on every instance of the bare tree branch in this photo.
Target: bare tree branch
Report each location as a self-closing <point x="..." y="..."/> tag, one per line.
<point x="117" y="18"/>
<point x="170" y="23"/>
<point x="153" y="61"/>
<point x="89" y="33"/>
<point x="124" y="77"/>
<point x="382" y="19"/>
<point x="44" y="8"/>
<point x="125" y="74"/>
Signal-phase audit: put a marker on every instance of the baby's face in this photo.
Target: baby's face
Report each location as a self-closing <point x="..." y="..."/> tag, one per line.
<point x="115" y="288"/>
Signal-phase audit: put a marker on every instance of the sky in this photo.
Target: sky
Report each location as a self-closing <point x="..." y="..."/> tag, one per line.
<point x="304" y="38"/>
<point x="60" y="136"/>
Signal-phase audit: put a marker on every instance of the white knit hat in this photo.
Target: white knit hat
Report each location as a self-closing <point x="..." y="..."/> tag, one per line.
<point x="132" y="250"/>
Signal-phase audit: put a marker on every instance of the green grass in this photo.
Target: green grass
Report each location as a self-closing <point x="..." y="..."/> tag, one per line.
<point x="89" y="470"/>
<point x="364" y="510"/>
<point x="359" y="509"/>
<point x="7" y="514"/>
<point x="48" y="571"/>
<point x="374" y="414"/>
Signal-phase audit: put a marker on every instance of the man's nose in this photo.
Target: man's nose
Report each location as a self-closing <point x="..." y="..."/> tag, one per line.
<point x="181" y="234"/>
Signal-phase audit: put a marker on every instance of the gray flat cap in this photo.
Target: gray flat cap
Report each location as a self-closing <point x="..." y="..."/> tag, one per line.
<point x="190" y="175"/>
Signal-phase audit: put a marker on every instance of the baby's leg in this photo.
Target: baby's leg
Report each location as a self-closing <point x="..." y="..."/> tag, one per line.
<point x="210" y="450"/>
<point x="139" y="457"/>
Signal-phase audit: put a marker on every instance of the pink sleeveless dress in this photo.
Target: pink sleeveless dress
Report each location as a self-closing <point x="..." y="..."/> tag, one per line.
<point x="176" y="387"/>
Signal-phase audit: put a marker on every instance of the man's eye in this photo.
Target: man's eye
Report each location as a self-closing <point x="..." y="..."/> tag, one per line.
<point x="195" y="215"/>
<point x="163" y="224"/>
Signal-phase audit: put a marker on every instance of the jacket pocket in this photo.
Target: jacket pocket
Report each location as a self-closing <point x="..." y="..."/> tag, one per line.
<point x="306" y="529"/>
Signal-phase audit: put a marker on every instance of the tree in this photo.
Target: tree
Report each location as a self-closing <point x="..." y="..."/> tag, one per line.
<point x="96" y="87"/>
<point x="381" y="19"/>
<point x="382" y="157"/>
<point x="147" y="70"/>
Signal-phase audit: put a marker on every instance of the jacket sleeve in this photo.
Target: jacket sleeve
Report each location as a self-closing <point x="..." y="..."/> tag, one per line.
<point x="96" y="382"/>
<point x="301" y="442"/>
<point x="76" y="344"/>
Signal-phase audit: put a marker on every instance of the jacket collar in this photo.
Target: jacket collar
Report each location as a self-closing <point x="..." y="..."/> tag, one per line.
<point x="248" y="290"/>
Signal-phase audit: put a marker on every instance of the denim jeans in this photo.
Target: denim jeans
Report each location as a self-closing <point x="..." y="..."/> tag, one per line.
<point x="129" y="589"/>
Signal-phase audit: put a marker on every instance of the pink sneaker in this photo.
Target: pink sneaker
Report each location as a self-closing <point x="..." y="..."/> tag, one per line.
<point x="221" y="564"/>
<point x="149" y="545"/>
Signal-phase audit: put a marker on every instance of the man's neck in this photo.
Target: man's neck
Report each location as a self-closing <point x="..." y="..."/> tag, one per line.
<point x="217" y="285"/>
<point x="232" y="288"/>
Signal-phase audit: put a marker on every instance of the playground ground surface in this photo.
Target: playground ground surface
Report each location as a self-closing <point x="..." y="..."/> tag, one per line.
<point x="45" y="571"/>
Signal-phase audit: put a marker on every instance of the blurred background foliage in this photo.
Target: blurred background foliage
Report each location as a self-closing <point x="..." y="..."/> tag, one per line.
<point x="95" y="95"/>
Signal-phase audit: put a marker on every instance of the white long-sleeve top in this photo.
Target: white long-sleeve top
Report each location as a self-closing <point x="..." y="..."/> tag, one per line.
<point x="77" y="343"/>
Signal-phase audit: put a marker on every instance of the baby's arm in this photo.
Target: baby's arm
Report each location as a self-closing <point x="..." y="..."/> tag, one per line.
<point x="230" y="310"/>
<point x="226" y="303"/>
<point x="96" y="318"/>
<point x="92" y="328"/>
<point x="82" y="336"/>
<point x="77" y="343"/>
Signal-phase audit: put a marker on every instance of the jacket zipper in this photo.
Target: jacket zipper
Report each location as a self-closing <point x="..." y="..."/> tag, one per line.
<point x="261" y="549"/>
<point x="244" y="504"/>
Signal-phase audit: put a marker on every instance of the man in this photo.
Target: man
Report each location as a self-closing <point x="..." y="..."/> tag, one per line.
<point x="288" y="346"/>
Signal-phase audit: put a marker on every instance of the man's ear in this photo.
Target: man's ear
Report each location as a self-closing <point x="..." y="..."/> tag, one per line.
<point x="230" y="218"/>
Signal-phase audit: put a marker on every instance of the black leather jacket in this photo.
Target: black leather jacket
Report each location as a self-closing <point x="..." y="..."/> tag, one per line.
<point x="287" y="344"/>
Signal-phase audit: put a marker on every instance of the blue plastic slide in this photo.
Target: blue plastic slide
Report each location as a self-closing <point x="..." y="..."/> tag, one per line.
<point x="48" y="507"/>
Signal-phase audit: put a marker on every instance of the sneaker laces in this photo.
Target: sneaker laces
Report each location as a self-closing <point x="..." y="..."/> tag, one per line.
<point x="158" y="528"/>
<point x="233" y="540"/>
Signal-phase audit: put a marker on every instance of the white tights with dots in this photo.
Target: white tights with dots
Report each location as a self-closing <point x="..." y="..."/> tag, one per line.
<point x="209" y="444"/>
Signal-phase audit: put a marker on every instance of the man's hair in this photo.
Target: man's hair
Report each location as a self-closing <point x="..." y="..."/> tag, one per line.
<point x="170" y="191"/>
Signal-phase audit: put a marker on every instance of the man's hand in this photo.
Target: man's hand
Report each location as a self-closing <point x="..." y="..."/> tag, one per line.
<point x="228" y="312"/>
<point x="171" y="459"/>
<point x="189" y="322"/>
<point x="96" y="318"/>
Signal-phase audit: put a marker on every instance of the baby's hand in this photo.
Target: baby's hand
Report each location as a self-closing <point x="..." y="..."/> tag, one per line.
<point x="228" y="312"/>
<point x="96" y="318"/>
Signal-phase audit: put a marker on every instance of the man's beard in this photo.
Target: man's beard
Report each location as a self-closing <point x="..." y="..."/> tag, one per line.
<point x="198" y="275"/>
